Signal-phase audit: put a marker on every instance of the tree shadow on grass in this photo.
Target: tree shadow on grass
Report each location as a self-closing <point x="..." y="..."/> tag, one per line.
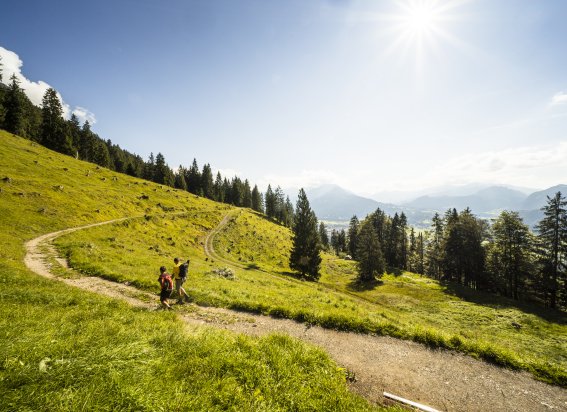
<point x="358" y="286"/>
<point x="296" y="275"/>
<point x="500" y="302"/>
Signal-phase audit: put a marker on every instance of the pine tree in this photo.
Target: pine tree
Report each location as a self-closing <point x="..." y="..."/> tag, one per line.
<point x="257" y="202"/>
<point x="246" y="194"/>
<point x="53" y="131"/>
<point x="101" y="156"/>
<point x="162" y="173"/>
<point x="305" y="253"/>
<point x="370" y="261"/>
<point x="13" y="107"/>
<point x="207" y="182"/>
<point x="1" y="65"/>
<point x="217" y="189"/>
<point x="74" y="131"/>
<point x="323" y="236"/>
<point x="270" y="203"/>
<point x="434" y="252"/>
<point x="353" y="229"/>
<point x="553" y="237"/>
<point x="193" y="179"/>
<point x="288" y="214"/>
<point x="149" y="168"/>
<point x="509" y="255"/>
<point x="180" y="182"/>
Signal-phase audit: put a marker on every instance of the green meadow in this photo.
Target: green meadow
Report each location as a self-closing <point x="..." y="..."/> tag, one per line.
<point x="66" y="349"/>
<point x="407" y="305"/>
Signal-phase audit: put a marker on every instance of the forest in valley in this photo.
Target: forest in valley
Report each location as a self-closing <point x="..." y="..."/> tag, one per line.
<point x="502" y="256"/>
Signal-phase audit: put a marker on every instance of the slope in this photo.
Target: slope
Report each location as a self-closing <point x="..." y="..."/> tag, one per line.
<point x="65" y="349"/>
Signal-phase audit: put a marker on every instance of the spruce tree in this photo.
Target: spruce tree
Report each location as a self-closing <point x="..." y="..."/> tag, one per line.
<point x="353" y="229"/>
<point x="270" y="203"/>
<point x="54" y="134"/>
<point x="553" y="238"/>
<point x="509" y="254"/>
<point x="207" y="182"/>
<point x="13" y="107"/>
<point x="218" y="193"/>
<point x="323" y="236"/>
<point x="370" y="261"/>
<point x="257" y="202"/>
<point x="180" y="182"/>
<point x="193" y="179"/>
<point x="305" y="255"/>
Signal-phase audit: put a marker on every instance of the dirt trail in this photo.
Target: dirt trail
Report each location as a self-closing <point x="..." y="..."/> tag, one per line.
<point x="440" y="379"/>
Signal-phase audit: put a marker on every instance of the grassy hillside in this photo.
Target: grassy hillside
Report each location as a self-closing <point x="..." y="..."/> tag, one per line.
<point x="407" y="306"/>
<point x="66" y="349"/>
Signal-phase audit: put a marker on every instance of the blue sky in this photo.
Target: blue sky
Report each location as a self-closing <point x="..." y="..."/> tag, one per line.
<point x="372" y="95"/>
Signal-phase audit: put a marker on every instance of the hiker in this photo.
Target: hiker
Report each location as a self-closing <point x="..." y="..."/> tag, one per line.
<point x="180" y="275"/>
<point x="166" y="287"/>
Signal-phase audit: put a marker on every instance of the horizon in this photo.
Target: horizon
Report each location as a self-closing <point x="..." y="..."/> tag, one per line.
<point x="370" y="96"/>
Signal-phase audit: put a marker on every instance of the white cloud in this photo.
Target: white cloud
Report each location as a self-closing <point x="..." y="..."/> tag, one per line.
<point x="558" y="98"/>
<point x="535" y="166"/>
<point x="84" y="115"/>
<point x="12" y="64"/>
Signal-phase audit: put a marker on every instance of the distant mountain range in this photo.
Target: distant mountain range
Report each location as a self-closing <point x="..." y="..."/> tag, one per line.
<point x="333" y="203"/>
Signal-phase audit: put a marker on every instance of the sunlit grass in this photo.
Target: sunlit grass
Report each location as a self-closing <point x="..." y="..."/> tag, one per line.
<point x="64" y="349"/>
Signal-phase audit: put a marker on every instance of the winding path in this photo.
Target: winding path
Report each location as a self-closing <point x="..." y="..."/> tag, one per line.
<point x="441" y="379"/>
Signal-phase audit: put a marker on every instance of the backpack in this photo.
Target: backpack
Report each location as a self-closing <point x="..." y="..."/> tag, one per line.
<point x="167" y="283"/>
<point x="183" y="270"/>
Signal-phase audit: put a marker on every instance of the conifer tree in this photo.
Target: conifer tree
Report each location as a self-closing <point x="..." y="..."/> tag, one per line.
<point x="217" y="189"/>
<point x="270" y="203"/>
<point x="13" y="107"/>
<point x="149" y="168"/>
<point x="257" y="202"/>
<point x="1" y="65"/>
<point x="101" y="156"/>
<point x="434" y="252"/>
<point x="53" y="131"/>
<point x="370" y="261"/>
<point x="553" y="237"/>
<point x="288" y="214"/>
<point x="75" y="132"/>
<point x="353" y="229"/>
<point x="193" y="178"/>
<point x="207" y="181"/>
<point x="246" y="194"/>
<point x="180" y="182"/>
<point x="305" y="253"/>
<point x="323" y="236"/>
<point x="509" y="255"/>
<point x="162" y="173"/>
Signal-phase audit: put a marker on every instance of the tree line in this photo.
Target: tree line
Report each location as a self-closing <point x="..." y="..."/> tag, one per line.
<point x="47" y="126"/>
<point x="502" y="257"/>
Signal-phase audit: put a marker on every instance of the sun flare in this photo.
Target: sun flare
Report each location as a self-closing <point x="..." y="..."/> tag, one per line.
<point x="422" y="26"/>
<point x="420" y="19"/>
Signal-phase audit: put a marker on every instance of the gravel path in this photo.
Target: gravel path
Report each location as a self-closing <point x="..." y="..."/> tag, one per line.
<point x="441" y="379"/>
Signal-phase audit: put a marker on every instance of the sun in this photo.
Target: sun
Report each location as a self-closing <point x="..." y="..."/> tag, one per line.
<point x="422" y="26"/>
<point x="421" y="19"/>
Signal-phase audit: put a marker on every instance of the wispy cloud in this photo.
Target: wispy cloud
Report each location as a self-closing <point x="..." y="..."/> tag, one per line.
<point x="523" y="166"/>
<point x="558" y="98"/>
<point x="12" y="64"/>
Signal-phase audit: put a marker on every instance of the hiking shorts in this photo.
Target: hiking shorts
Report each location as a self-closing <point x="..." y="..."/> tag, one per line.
<point x="165" y="294"/>
<point x="179" y="283"/>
